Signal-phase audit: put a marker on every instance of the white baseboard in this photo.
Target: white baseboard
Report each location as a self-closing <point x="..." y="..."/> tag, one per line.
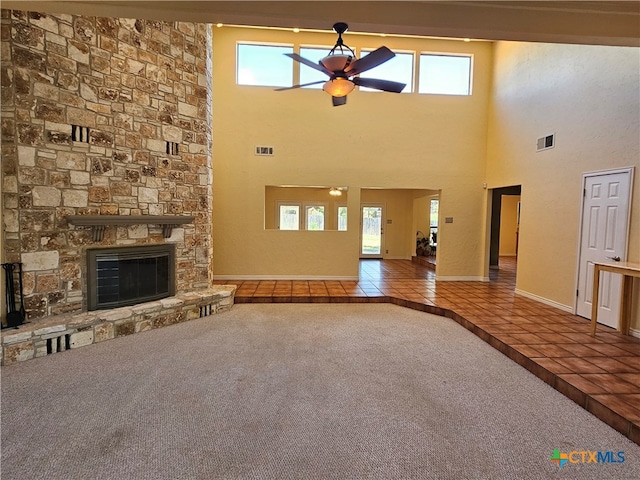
<point x="284" y="277"/>
<point x="634" y="332"/>
<point x="546" y="301"/>
<point x="507" y="255"/>
<point x="395" y="257"/>
<point x="462" y="279"/>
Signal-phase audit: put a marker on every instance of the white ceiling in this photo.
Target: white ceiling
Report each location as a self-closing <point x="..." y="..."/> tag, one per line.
<point x="587" y="22"/>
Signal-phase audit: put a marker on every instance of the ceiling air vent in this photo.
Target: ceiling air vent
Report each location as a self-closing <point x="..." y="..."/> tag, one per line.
<point x="546" y="142"/>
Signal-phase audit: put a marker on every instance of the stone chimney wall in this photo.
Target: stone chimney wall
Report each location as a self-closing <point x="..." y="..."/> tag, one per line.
<point x="102" y="116"/>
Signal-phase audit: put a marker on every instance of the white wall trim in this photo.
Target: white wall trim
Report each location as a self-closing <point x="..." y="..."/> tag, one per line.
<point x="394" y="257"/>
<point x="634" y="332"/>
<point x="284" y="277"/>
<point x="462" y="279"/>
<point x="546" y="301"/>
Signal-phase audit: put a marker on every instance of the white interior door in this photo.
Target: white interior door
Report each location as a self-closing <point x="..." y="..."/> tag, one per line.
<point x="605" y="227"/>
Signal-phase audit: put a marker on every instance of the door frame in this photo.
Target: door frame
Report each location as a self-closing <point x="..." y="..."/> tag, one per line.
<point x="382" y="206"/>
<point x="628" y="170"/>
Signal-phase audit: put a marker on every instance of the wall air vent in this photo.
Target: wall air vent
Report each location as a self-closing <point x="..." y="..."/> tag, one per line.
<point x="546" y="142"/>
<point x="264" y="151"/>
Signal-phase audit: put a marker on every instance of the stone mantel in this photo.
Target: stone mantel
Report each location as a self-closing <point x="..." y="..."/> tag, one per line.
<point x="98" y="222"/>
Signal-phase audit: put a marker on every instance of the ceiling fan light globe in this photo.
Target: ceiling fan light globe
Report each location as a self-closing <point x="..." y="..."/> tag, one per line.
<point x="337" y="63"/>
<point x="338" y="87"/>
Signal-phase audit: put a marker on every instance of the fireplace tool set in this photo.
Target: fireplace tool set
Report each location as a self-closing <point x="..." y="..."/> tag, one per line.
<point x="15" y="316"/>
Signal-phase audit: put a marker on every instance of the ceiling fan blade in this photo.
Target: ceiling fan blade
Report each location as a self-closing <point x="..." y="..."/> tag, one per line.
<point x="337" y="101"/>
<point x="300" y="86"/>
<point x="375" y="58"/>
<point x="308" y="63"/>
<point x="384" y="85"/>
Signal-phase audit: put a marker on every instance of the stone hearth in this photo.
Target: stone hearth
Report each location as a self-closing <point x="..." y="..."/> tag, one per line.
<point x="58" y="333"/>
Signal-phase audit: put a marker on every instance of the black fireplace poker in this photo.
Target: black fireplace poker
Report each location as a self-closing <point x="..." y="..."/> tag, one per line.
<point x="15" y="317"/>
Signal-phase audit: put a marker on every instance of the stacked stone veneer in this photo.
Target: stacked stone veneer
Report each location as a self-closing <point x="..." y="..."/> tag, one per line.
<point x="62" y="332"/>
<point x="93" y="110"/>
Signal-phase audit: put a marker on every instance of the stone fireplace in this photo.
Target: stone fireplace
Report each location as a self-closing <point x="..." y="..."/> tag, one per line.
<point x="103" y="117"/>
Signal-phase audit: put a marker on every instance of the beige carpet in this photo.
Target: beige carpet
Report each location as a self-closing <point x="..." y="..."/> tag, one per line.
<point x="302" y="391"/>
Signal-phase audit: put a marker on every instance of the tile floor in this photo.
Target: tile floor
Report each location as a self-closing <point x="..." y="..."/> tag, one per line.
<point x="601" y="374"/>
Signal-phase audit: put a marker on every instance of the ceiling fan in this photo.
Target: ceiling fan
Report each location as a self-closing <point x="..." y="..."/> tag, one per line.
<point x="343" y="69"/>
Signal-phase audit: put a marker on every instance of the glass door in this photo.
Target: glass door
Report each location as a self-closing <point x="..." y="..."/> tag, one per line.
<point x="371" y="244"/>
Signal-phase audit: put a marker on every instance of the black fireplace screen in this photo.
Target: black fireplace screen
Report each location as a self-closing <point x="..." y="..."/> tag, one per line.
<point x="124" y="276"/>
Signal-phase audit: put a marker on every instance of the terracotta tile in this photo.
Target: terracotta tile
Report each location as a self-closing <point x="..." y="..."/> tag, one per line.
<point x="612" y="383"/>
<point x="607" y="415"/>
<point x="580" y="350"/>
<point x="611" y="365"/>
<point x="631" y="361"/>
<point x="553" y="351"/>
<point x="633" y="378"/>
<point x="528" y="350"/>
<point x="549" y="336"/>
<point x="579" y="365"/>
<point x="319" y="293"/>
<point x="609" y="350"/>
<point x="552" y="365"/>
<point x="582" y="338"/>
<point x="633" y="348"/>
<point x="527" y="338"/>
<point x="571" y="391"/>
<point x="582" y="383"/>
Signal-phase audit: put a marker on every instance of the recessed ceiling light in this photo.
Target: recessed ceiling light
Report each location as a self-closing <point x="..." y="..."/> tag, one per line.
<point x="219" y="25"/>
<point x="467" y="39"/>
<point x="296" y="30"/>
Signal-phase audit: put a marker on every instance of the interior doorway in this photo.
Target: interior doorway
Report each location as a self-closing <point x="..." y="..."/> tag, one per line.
<point x="507" y="230"/>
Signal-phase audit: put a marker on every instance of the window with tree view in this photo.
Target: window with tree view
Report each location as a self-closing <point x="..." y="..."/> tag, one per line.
<point x="314" y="217"/>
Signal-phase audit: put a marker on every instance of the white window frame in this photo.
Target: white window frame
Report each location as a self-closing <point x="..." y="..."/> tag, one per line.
<point x="470" y="56"/>
<point x="264" y="44"/>
<point x="338" y="207"/>
<point x="283" y="203"/>
<point x="307" y="205"/>
<point x="410" y="85"/>
<point x="300" y="66"/>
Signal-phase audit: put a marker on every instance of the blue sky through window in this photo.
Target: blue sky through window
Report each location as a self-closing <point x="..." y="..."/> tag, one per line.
<point x="308" y="74"/>
<point x="398" y="69"/>
<point x="445" y="74"/>
<point x="265" y="65"/>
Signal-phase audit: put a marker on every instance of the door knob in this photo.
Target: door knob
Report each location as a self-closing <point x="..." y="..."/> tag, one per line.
<point x="615" y="259"/>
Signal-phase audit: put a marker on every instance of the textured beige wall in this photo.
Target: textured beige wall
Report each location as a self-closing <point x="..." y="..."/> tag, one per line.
<point x="380" y="140"/>
<point x="588" y="96"/>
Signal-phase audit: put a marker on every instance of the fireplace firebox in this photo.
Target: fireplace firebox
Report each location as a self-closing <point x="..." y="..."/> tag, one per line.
<point x="122" y="276"/>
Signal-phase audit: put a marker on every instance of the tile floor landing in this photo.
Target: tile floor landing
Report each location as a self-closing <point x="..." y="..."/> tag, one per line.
<point x="601" y="374"/>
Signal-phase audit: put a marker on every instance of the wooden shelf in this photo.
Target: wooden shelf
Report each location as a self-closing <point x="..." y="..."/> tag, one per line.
<point x="99" y="222"/>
